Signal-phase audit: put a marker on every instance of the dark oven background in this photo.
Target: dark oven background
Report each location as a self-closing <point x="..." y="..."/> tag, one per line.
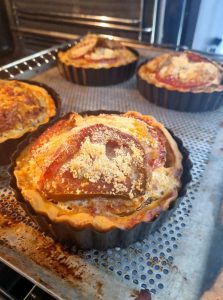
<point x="40" y="24"/>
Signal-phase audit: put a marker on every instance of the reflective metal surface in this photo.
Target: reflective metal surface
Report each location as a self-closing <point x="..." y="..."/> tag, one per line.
<point x="102" y="22"/>
<point x="129" y="19"/>
<point x="170" y="262"/>
<point x="82" y="16"/>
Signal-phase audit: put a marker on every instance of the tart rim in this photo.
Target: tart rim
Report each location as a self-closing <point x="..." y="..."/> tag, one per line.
<point x="107" y="224"/>
<point x="66" y="48"/>
<point x="203" y="89"/>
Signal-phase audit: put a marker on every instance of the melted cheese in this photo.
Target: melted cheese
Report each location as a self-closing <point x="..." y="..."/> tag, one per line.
<point x="102" y="53"/>
<point x="185" y="71"/>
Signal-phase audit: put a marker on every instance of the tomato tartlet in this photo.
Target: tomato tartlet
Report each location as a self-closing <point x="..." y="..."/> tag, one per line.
<point x="97" y="61"/>
<point x="183" y="81"/>
<point x="24" y="106"/>
<point x="98" y="176"/>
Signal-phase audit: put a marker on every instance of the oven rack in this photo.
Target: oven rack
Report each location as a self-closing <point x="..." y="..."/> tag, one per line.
<point x="31" y="65"/>
<point x="41" y="61"/>
<point x="14" y="286"/>
<point x="170" y="262"/>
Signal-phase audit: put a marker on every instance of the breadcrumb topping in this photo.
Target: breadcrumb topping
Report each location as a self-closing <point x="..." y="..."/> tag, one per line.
<point x="97" y="160"/>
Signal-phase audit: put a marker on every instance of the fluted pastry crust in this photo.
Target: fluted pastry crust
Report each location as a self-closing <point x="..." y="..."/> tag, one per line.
<point x="101" y="172"/>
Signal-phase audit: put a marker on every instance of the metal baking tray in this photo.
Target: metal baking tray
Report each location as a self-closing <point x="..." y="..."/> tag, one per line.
<point x="171" y="261"/>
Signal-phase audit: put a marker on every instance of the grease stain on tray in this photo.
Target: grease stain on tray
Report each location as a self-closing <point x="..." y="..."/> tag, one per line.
<point x="19" y="233"/>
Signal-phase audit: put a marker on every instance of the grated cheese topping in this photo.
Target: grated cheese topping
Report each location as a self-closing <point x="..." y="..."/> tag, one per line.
<point x="96" y="160"/>
<point x="184" y="70"/>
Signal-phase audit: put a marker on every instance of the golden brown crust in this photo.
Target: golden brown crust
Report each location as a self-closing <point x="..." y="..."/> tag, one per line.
<point x="23" y="108"/>
<point x="95" y="52"/>
<point x="183" y="73"/>
<point x="162" y="160"/>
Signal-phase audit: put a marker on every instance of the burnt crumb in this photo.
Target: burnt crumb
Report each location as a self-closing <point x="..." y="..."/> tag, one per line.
<point x="40" y="249"/>
<point x="147" y="202"/>
<point x="54" y="201"/>
<point x="135" y="251"/>
<point x="142" y="295"/>
<point x="3" y="242"/>
<point x="7" y="223"/>
<point x="99" y="288"/>
<point x="160" y="261"/>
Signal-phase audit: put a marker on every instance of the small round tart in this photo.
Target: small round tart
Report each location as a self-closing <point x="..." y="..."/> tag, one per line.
<point x="97" y="61"/>
<point x="95" y="52"/>
<point x="100" y="173"/>
<point x="178" y="75"/>
<point x="24" y="107"/>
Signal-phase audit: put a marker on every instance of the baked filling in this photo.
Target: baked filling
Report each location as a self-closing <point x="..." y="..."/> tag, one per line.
<point x="95" y="52"/>
<point x="182" y="71"/>
<point x="103" y="172"/>
<point x="23" y="107"/>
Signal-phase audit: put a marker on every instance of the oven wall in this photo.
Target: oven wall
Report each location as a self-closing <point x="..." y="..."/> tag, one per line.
<point x="43" y="23"/>
<point x="177" y="24"/>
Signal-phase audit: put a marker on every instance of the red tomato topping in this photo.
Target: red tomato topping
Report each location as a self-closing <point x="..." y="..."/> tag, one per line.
<point x="175" y="82"/>
<point x="159" y="154"/>
<point x="179" y="84"/>
<point x="193" y="57"/>
<point x="59" y="182"/>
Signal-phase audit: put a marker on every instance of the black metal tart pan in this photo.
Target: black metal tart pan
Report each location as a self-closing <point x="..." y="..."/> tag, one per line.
<point x="91" y="239"/>
<point x="176" y="100"/>
<point x="98" y="77"/>
<point x="10" y="145"/>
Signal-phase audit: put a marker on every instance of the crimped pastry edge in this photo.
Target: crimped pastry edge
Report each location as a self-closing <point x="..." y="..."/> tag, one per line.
<point x="179" y="99"/>
<point x="90" y="238"/>
<point x="97" y="77"/>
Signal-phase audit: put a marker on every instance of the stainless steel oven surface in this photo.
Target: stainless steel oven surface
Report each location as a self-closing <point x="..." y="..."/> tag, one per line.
<point x="40" y="24"/>
<point x="172" y="262"/>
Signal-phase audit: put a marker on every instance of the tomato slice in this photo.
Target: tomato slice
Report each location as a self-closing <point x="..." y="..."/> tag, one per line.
<point x="62" y="125"/>
<point x="126" y="177"/>
<point x="86" y="45"/>
<point x="158" y="153"/>
<point x="194" y="57"/>
<point x="173" y="81"/>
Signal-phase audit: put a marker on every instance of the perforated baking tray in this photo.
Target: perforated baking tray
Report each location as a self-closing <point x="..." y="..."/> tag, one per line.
<point x="171" y="261"/>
